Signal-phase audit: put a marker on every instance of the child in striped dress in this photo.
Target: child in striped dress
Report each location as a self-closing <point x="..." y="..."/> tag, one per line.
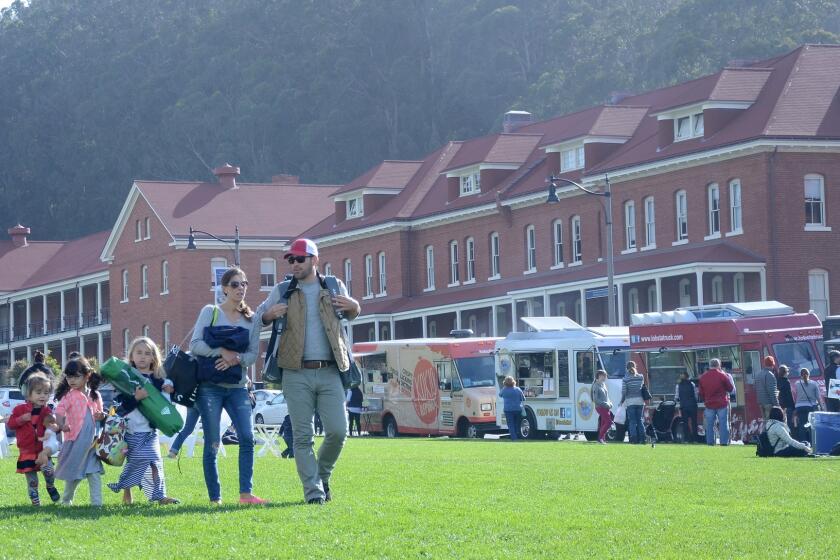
<point x="143" y="466"/>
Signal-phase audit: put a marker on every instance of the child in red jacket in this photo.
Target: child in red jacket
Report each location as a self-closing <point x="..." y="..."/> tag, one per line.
<point x="29" y="420"/>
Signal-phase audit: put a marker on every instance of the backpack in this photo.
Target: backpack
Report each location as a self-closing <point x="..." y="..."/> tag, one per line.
<point x="763" y="447"/>
<point x="110" y="446"/>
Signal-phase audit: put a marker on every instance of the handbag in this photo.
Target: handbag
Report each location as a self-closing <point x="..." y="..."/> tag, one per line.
<point x="620" y="415"/>
<point x="110" y="446"/>
<point x="182" y="369"/>
<point x="646" y="396"/>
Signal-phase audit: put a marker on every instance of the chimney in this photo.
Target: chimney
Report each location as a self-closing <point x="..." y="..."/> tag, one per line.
<point x="18" y="235"/>
<point x="515" y="120"/>
<point x="286" y="179"/>
<point x="617" y="97"/>
<point x="227" y="175"/>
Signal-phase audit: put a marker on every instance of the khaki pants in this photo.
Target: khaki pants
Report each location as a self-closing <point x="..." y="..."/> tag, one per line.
<point x="308" y="390"/>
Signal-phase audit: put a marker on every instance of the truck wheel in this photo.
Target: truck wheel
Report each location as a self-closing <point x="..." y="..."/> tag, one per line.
<point x="390" y="427"/>
<point x="467" y="429"/>
<point x="258" y="419"/>
<point x="528" y="426"/>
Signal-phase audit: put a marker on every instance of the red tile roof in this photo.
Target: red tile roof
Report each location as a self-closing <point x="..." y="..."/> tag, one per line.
<point x="512" y="148"/>
<point x="388" y="174"/>
<point x="739" y="84"/>
<point x="612" y="120"/>
<point x="44" y="262"/>
<point x="260" y="210"/>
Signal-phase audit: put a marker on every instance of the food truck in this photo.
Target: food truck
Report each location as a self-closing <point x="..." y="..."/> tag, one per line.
<point x="740" y="335"/>
<point x="831" y="335"/>
<point x="430" y="386"/>
<point x="555" y="365"/>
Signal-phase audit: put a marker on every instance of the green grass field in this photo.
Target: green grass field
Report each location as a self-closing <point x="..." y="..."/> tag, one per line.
<point x="422" y="498"/>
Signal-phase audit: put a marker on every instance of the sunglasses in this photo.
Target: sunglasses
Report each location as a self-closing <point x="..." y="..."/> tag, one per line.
<point x="300" y="259"/>
<point x="235" y="284"/>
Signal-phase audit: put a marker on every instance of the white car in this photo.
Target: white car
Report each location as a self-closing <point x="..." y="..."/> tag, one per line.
<point x="271" y="411"/>
<point x="263" y="395"/>
<point x="10" y="397"/>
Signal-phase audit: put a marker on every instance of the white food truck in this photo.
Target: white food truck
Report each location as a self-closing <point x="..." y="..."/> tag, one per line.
<point x="555" y="366"/>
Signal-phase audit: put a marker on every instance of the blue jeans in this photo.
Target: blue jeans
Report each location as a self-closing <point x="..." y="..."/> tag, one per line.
<point x="722" y="415"/>
<point x="189" y="427"/>
<point x="513" y="421"/>
<point x="211" y="400"/>
<point x="635" y="426"/>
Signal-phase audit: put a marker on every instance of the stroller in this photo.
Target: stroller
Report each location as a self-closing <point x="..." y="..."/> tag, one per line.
<point x="660" y="428"/>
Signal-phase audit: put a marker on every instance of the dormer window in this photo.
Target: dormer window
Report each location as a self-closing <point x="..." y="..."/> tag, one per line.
<point x="471" y="183"/>
<point x="689" y="126"/>
<point x="571" y="159"/>
<point x="355" y="208"/>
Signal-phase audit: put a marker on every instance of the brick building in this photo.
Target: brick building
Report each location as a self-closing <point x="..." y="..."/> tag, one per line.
<point x="724" y="188"/>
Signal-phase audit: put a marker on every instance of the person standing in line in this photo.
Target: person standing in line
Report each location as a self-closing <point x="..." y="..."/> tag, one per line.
<point x="765" y="387"/>
<point x="715" y="387"/>
<point x="786" y="400"/>
<point x="513" y="398"/>
<point x="832" y="405"/>
<point x="631" y="398"/>
<point x="686" y="397"/>
<point x="313" y="353"/>
<point x="355" y="401"/>
<point x="601" y="398"/>
<point x="807" y="401"/>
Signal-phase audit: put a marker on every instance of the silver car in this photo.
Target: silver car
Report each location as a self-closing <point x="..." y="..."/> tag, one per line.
<point x="271" y="411"/>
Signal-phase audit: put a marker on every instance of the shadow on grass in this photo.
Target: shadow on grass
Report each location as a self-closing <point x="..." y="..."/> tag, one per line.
<point x="145" y="510"/>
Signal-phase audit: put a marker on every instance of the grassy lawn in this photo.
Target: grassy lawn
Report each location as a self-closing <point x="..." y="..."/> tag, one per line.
<point x="421" y="498"/>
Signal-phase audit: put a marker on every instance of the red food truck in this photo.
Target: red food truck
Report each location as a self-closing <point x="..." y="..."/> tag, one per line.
<point x="740" y="335"/>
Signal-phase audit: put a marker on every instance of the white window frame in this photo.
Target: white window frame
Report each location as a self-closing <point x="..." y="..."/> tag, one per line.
<point x="355" y="207"/>
<point x="713" y="202"/>
<point x="268" y="268"/>
<point x="633" y="301"/>
<point x="650" y="223"/>
<point x="145" y="330"/>
<point x="818" y="203"/>
<point x="126" y="340"/>
<point x="694" y="127"/>
<point x="738" y="288"/>
<point x="681" y="213"/>
<point x="368" y="277"/>
<point x="652" y="299"/>
<point x="530" y="249"/>
<point x="124" y="286"/>
<point x="216" y="262"/>
<point x="166" y="337"/>
<point x="698" y="125"/>
<point x="557" y="242"/>
<point x="430" y="268"/>
<point x="684" y="292"/>
<point x="717" y="289"/>
<point x="495" y="256"/>
<point x="454" y="265"/>
<point x="630" y="226"/>
<point x="572" y="158"/>
<point x="148" y="225"/>
<point x="432" y="328"/>
<point x="470" y="183"/>
<point x="144" y="281"/>
<point x="577" y="241"/>
<point x="822" y="305"/>
<point x="383" y="273"/>
<point x="348" y="275"/>
<point x="164" y="278"/>
<point x="736" y="217"/>
<point x="469" y="245"/>
<point x="327" y="269"/>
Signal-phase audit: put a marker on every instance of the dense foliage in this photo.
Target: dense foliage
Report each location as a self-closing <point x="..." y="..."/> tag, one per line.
<point x="95" y="93"/>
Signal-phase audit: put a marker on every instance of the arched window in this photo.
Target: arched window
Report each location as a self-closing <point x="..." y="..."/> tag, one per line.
<point x="557" y="232"/>
<point x="164" y="278"/>
<point x="148" y="224"/>
<point x="432" y="326"/>
<point x="146" y="331"/>
<point x="818" y="292"/>
<point x="495" y="249"/>
<point x="138" y="232"/>
<point x="144" y="281"/>
<point x="717" y="289"/>
<point x="651" y="294"/>
<point x="124" y="286"/>
<point x="327" y="269"/>
<point x="126" y="341"/>
<point x="738" y="292"/>
<point x="530" y="249"/>
<point x="685" y="292"/>
<point x="633" y="300"/>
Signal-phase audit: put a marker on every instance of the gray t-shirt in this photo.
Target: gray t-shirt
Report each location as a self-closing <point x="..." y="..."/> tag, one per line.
<point x="316" y="345"/>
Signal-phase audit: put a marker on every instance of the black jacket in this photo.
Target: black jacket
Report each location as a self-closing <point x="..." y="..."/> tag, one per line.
<point x="785" y="394"/>
<point x="686" y="396"/>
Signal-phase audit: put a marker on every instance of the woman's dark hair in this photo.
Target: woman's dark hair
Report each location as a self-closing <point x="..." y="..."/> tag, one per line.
<point x="776" y="413"/>
<point x="226" y="278"/>
<point x="38" y="357"/>
<point x="38" y="366"/>
<point x="74" y="368"/>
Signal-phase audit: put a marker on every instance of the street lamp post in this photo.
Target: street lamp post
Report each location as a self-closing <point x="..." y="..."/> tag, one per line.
<point x="607" y="194"/>
<point x="191" y="242"/>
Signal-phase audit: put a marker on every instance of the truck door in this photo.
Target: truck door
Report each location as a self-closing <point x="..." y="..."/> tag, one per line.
<point x="586" y="419"/>
<point x="446" y="417"/>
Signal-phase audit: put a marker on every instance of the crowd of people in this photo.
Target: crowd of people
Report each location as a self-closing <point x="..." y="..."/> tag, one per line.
<point x="312" y="350"/>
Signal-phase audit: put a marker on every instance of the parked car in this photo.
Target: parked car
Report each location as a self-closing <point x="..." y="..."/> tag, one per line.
<point x="271" y="411"/>
<point x="263" y="395"/>
<point x="10" y="397"/>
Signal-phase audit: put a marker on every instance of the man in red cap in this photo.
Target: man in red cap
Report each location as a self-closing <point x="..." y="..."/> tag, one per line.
<point x="312" y="350"/>
<point x="765" y="387"/>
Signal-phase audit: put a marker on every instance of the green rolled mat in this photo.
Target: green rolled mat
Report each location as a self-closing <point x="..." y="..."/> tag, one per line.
<point x="156" y="408"/>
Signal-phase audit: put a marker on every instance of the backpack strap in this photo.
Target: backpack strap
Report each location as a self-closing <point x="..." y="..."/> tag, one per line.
<point x="215" y="315"/>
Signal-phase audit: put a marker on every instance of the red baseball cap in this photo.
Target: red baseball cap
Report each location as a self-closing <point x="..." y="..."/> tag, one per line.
<point x="301" y="248"/>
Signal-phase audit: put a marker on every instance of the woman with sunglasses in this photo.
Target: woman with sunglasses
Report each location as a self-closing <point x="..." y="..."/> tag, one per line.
<point x="233" y="396"/>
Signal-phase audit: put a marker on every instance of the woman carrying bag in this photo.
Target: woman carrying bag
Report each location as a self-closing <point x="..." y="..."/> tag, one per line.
<point x="226" y="344"/>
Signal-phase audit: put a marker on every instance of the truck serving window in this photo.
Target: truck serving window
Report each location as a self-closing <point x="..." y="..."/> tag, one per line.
<point x="664" y="369"/>
<point x="374" y="368"/>
<point x="585" y="367"/>
<point x="797" y="355"/>
<point x="476" y="372"/>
